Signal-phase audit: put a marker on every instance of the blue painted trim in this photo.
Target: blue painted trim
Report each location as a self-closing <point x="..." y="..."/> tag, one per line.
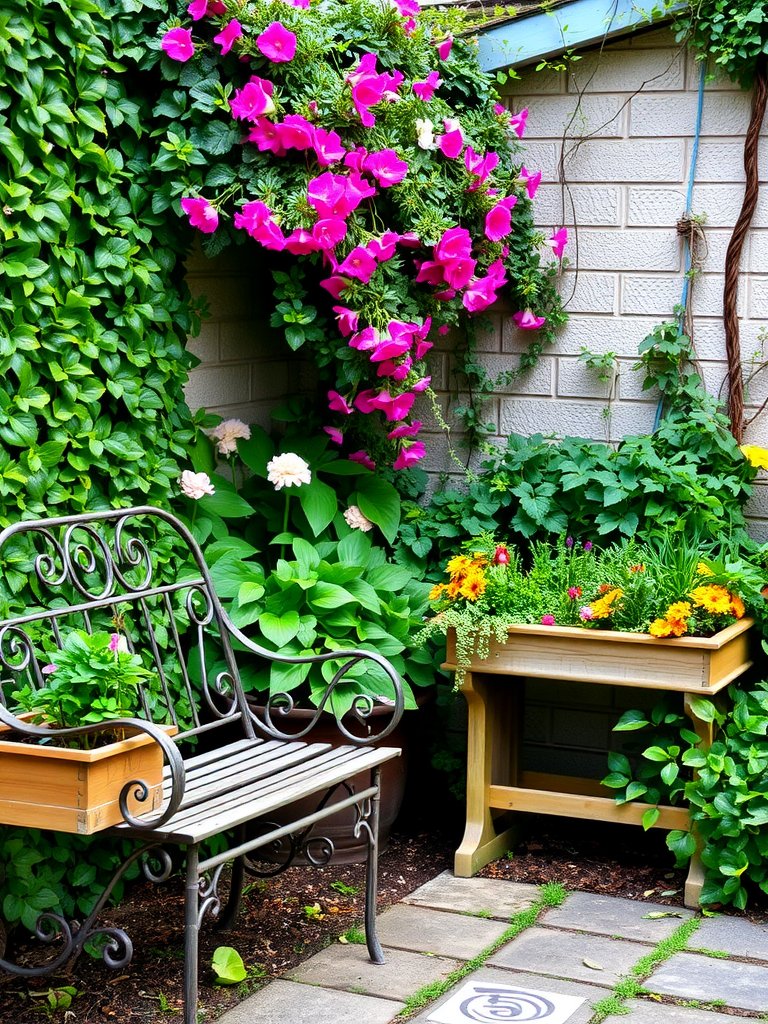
<point x="576" y="24"/>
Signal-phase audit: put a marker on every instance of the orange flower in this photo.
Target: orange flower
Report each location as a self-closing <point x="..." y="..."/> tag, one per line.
<point x="473" y="586"/>
<point x="660" y="628"/>
<point x="436" y="591"/>
<point x="603" y="607"/>
<point x="458" y="566"/>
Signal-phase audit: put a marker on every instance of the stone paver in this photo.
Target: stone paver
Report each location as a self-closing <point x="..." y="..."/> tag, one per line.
<point x="434" y="931"/>
<point x="590" y="993"/>
<point x="609" y="915"/>
<point x="732" y="935"/>
<point x="287" y="1001"/>
<point x="469" y="895"/>
<point x="694" y="976"/>
<point x="562" y="954"/>
<point x="645" y="1012"/>
<point x="349" y="967"/>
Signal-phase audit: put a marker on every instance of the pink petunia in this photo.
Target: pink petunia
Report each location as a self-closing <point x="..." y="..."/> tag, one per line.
<point x="177" y="44"/>
<point x="454" y="242"/>
<point x="365" y="340"/>
<point x="333" y="195"/>
<point x="358" y="264"/>
<point x="201" y="213"/>
<point x="531" y="181"/>
<point x="421" y="348"/>
<point x="256" y="218"/>
<point x="347" y="320"/>
<point x="231" y="31"/>
<point x="391" y="348"/>
<point x="451" y="144"/>
<point x="479" y="166"/>
<point x="444" y="48"/>
<point x="335" y="434"/>
<point x="500" y="110"/>
<point x="277" y="43"/>
<point x="337" y="403"/>
<point x="296" y="132"/>
<point x="386" y="166"/>
<point x="558" y="241"/>
<point x="329" y="231"/>
<point x="527" y="321"/>
<point x="356" y="158"/>
<point x="253" y="100"/>
<point x="430" y="272"/>
<point x="335" y="285"/>
<point x="517" y="122"/>
<point x="265" y="136"/>
<point x="363" y="459"/>
<point x="405" y="430"/>
<point x="426" y="90"/>
<point x="391" y="368"/>
<point x="421" y="385"/>
<point x="410" y="455"/>
<point x="383" y="248"/>
<point x="301" y="242"/>
<point x="197" y="9"/>
<point x="498" y="220"/>
<point x="328" y="147"/>
<point x="459" y="271"/>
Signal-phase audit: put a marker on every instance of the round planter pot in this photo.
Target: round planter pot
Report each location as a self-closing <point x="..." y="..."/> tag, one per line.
<point x="339" y="828"/>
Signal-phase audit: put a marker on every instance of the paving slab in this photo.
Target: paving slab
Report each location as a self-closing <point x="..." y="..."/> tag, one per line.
<point x="644" y="1012"/>
<point x="732" y="935"/>
<point x="350" y="968"/>
<point x="287" y="1001"/>
<point x="490" y="976"/>
<point x="694" y="976"/>
<point x="610" y="915"/>
<point x="435" y="931"/>
<point x="470" y="895"/>
<point x="548" y="951"/>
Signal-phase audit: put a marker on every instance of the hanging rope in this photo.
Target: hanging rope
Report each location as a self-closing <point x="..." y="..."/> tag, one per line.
<point x="733" y="255"/>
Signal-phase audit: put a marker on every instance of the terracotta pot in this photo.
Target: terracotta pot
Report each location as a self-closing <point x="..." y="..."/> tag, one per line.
<point x="339" y="827"/>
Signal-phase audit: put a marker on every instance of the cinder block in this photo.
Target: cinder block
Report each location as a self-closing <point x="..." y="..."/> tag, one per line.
<point x="250" y="340"/>
<point x="536" y="381"/>
<point x="709" y="338"/>
<point x="585" y="205"/>
<point x="630" y="418"/>
<point x="631" y="383"/>
<point x="757" y="506"/>
<point x="720" y="161"/>
<point x="218" y="385"/>
<point x="723" y="114"/>
<point x="535" y="83"/>
<point x="643" y="294"/>
<point x="553" y="417"/>
<point x="636" y="249"/>
<point x="597" y="333"/>
<point x="576" y="380"/>
<point x="758" y="297"/>
<point x="649" y="206"/>
<point x="206" y="345"/>
<point x="627" y="160"/>
<point x="555" y="117"/>
<point x="230" y="297"/>
<point x="713" y="249"/>
<point x="274" y="379"/>
<point x="250" y="412"/>
<point x="758" y="250"/>
<point x="540" y="156"/>
<point x="622" y="70"/>
<point x="587" y="292"/>
<point x="488" y="334"/>
<point x="758" y="528"/>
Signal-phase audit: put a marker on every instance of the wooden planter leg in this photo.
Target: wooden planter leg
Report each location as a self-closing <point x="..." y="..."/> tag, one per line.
<point x="695" y="880"/>
<point x="492" y="756"/>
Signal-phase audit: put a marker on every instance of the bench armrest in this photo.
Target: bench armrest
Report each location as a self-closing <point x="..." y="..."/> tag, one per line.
<point x="136" y="787"/>
<point x="281" y="704"/>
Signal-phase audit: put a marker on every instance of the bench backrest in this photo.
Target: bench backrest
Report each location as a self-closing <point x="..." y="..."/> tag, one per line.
<point x="135" y="571"/>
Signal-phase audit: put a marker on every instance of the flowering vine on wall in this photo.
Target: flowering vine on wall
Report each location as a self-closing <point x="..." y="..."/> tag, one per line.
<point x="364" y="142"/>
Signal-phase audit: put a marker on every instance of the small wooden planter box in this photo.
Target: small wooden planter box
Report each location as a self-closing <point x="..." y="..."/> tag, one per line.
<point x="692" y="664"/>
<point x="76" y="790"/>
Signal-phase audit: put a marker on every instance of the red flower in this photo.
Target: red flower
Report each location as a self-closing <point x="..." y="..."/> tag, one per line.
<point x="501" y="556"/>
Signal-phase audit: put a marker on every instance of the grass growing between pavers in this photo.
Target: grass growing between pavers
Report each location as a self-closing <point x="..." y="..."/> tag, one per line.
<point x="551" y="894"/>
<point x="632" y="985"/>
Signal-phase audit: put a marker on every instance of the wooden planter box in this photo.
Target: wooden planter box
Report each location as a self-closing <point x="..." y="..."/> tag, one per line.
<point x="690" y="664"/>
<point x="76" y="790"/>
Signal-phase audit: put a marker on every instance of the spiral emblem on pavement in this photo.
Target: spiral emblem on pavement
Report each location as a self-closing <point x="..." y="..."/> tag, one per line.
<point x="493" y="1004"/>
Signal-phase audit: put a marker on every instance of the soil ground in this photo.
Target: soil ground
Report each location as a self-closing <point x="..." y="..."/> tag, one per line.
<point x="287" y="918"/>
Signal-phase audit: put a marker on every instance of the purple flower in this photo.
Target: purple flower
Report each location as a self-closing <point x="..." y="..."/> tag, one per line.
<point x="585" y="613"/>
<point x="588" y="545"/>
<point x="547" y="620"/>
<point x="569" y="542"/>
<point x="48" y="670"/>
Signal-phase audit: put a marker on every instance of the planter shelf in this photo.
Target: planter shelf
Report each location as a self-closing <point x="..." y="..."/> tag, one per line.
<point x="76" y="790"/>
<point x="693" y="666"/>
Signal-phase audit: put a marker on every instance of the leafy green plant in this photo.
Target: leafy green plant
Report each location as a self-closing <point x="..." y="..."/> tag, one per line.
<point x="733" y="35"/>
<point x="343" y="889"/>
<point x="228" y="966"/>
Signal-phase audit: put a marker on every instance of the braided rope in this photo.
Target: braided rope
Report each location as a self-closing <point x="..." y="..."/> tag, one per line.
<point x="733" y="255"/>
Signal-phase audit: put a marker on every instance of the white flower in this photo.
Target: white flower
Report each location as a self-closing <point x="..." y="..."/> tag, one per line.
<point x="452" y="124"/>
<point x="226" y="435"/>
<point x="356" y="520"/>
<point x="288" y="470"/>
<point x="425" y="133"/>
<point x="195" y="485"/>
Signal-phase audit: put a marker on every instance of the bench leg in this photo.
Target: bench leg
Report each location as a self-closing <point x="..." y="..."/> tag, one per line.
<point x="228" y="916"/>
<point x="191" y="932"/>
<point x="370" y="822"/>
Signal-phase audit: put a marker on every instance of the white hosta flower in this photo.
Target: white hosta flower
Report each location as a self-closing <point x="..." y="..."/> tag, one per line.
<point x="425" y="133"/>
<point x="288" y="470"/>
<point x="356" y="520"/>
<point x="195" y="485"/>
<point x="226" y="435"/>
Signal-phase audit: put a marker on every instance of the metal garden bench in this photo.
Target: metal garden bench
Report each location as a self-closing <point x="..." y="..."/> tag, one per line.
<point x="227" y="770"/>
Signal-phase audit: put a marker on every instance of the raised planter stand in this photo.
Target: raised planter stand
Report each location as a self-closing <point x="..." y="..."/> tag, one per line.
<point x="693" y="666"/>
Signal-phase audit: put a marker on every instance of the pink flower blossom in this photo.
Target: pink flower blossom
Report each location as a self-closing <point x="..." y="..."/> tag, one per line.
<point x="387" y="167"/>
<point x="430" y="272"/>
<point x="337" y="403"/>
<point x="558" y="241"/>
<point x="177" y="43"/>
<point x="405" y="430"/>
<point x="201" y="213"/>
<point x="363" y="458"/>
<point x="410" y="240"/>
<point x="328" y="147"/>
<point x="451" y="144"/>
<point x="365" y="340"/>
<point x="334" y="195"/>
<point x="574" y="592"/>
<point x="335" y="285"/>
<point x="426" y="90"/>
<point x="383" y="248"/>
<point x="531" y="181"/>
<point x="356" y="158"/>
<point x="443" y="329"/>
<point x="410" y="455"/>
<point x="480" y="166"/>
<point x="265" y="136"/>
<point x="391" y="368"/>
<point x="517" y="122"/>
<point x="481" y="293"/>
<point x="347" y="320"/>
<point x="421" y="385"/>
<point x="527" y="321"/>
<point x="335" y="434"/>
<point x="585" y="613"/>
<point x="547" y="620"/>
<point x="498" y="220"/>
<point x="253" y="100"/>
<point x="257" y="219"/>
<point x="359" y="264"/>
<point x="197" y="9"/>
<point x="369" y="87"/>
<point x="444" y="48"/>
<point x="500" y="110"/>
<point x="393" y="346"/>
<point x="501" y="555"/>
<point x="454" y="242"/>
<point x="231" y="31"/>
<point x="301" y="242"/>
<point x="421" y="348"/>
<point x="329" y="231"/>
<point x="458" y="272"/>
<point x="296" y="132"/>
<point x="300" y="3"/>
<point x="277" y="43"/>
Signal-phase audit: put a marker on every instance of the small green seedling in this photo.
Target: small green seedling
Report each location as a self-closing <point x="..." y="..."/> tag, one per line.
<point x="345" y="890"/>
<point x="228" y="966"/>
<point x="314" y="912"/>
<point x="354" y="935"/>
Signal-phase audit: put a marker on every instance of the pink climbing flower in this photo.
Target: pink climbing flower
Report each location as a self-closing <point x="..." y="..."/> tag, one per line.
<point x="202" y="215"/>
<point x="177" y="44"/>
<point x="547" y="620"/>
<point x="335" y="285"/>
<point x="384" y="247"/>
<point x="301" y="242"/>
<point x="391" y="368"/>
<point x="386" y="167"/>
<point x="365" y="340"/>
<point x="296" y="132"/>
<point x="253" y="100"/>
<point x="329" y="231"/>
<point x="337" y="403"/>
<point x="409" y="455"/>
<point x="451" y="144"/>
<point x="426" y="90"/>
<point x="404" y="430"/>
<point x="530" y="180"/>
<point x="334" y="195"/>
<point x="558" y="241"/>
<point x="358" y="264"/>
<point x="444" y="48"/>
<point x="328" y="147"/>
<point x="197" y="9"/>
<point x="517" y="122"/>
<point x="527" y="321"/>
<point x="454" y="242"/>
<point x="257" y="219"/>
<point x="363" y="458"/>
<point x="498" y="220"/>
<point x="231" y="31"/>
<point x="265" y="136"/>
<point x="479" y="166"/>
<point x="347" y="320"/>
<point x="277" y="43"/>
<point x="421" y="385"/>
<point x="335" y="434"/>
<point x="481" y="293"/>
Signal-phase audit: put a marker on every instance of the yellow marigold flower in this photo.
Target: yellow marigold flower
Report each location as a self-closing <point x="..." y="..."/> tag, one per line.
<point x="737" y="606"/>
<point x="660" y="628"/>
<point x="457" y="566"/>
<point x="453" y="588"/>
<point x="703" y="570"/>
<point x="713" y="598"/>
<point x="677" y="626"/>
<point x="473" y="586"/>
<point x="679" y="610"/>
<point x="755" y="455"/>
<point x="603" y="607"/>
<point x="436" y="591"/>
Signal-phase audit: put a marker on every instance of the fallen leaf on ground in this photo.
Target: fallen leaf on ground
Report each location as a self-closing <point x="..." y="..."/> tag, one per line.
<point x="592" y="965"/>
